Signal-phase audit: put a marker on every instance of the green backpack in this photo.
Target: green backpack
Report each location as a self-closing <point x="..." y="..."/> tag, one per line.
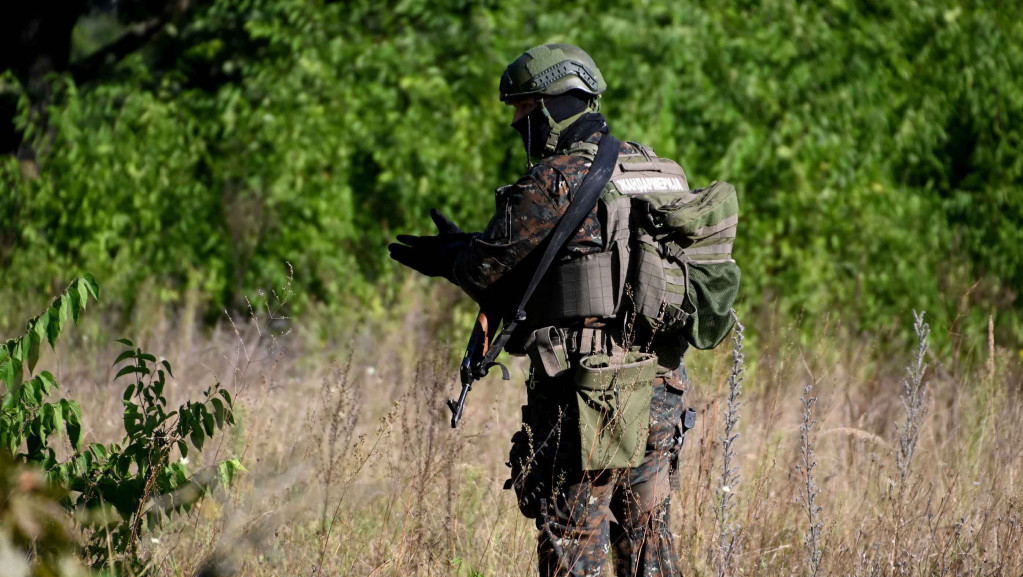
<point x="681" y="271"/>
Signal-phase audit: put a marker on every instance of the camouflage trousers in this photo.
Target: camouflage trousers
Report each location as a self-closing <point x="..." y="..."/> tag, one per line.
<point x="584" y="515"/>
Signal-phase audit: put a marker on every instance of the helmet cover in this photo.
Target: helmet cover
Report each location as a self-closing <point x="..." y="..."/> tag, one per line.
<point x="549" y="70"/>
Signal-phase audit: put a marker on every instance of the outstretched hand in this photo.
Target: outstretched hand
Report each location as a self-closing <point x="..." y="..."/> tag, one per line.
<point x="444" y="225"/>
<point x="431" y="255"/>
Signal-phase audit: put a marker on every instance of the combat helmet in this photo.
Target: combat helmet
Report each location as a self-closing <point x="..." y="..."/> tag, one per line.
<point x="549" y="70"/>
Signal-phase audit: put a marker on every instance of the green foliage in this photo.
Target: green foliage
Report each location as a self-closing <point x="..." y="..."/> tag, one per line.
<point x="25" y="416"/>
<point x="876" y="146"/>
<point x="119" y="489"/>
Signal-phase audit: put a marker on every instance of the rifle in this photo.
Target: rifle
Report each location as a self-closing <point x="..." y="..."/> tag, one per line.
<point x="473" y="367"/>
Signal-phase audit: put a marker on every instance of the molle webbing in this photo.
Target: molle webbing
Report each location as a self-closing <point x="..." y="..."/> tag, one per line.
<point x="580" y="288"/>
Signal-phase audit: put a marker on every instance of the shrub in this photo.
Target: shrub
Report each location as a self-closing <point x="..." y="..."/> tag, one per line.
<point x="118" y="489"/>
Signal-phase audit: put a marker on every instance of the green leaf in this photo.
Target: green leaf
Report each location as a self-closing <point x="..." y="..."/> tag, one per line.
<point x="91" y="285"/>
<point x="197" y="437"/>
<point x="227" y="470"/>
<point x="11" y="400"/>
<point x="49" y="419"/>
<point x="226" y="395"/>
<point x="7" y="372"/>
<point x="130" y="369"/>
<point x="15" y="373"/>
<point x="74" y="433"/>
<point x="167" y="366"/>
<point x="218" y="412"/>
<point x="82" y="286"/>
<point x="33" y="390"/>
<point x="48" y="381"/>
<point x="64" y="302"/>
<point x="180" y="472"/>
<point x="59" y="416"/>
<point x="73" y="408"/>
<point x="39" y="327"/>
<point x="126" y="342"/>
<point x="225" y="473"/>
<point x="128" y="392"/>
<point x="184" y="420"/>
<point x="74" y="304"/>
<point x="32" y="341"/>
<point x="183" y="447"/>
<point x="207" y="422"/>
<point x="99" y="451"/>
<point x="147" y="357"/>
<point x="53" y="326"/>
<point x="128" y="354"/>
<point x="132" y="419"/>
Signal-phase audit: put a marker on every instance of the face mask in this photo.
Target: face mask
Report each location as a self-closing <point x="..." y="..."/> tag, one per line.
<point x="534" y="130"/>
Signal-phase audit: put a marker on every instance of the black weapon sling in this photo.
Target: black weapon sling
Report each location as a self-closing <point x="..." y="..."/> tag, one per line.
<point x="586" y="197"/>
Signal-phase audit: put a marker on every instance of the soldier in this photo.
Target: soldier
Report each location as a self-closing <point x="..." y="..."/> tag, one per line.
<point x="581" y="514"/>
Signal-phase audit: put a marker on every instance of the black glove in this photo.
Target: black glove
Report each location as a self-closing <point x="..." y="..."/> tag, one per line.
<point x="444" y="225"/>
<point x="432" y="255"/>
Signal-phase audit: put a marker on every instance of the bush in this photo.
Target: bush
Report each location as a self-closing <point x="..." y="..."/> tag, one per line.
<point x="119" y="489"/>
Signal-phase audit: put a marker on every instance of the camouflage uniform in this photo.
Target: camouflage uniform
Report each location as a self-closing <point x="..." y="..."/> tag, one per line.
<point x="581" y="515"/>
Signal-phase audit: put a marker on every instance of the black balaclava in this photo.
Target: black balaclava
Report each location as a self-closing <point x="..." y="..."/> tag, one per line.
<point x="535" y="129"/>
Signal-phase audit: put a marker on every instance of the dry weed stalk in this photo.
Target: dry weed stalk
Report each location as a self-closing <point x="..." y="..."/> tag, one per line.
<point x="335" y="416"/>
<point x="809" y="490"/>
<point x="914" y="397"/>
<point x="728" y="545"/>
<point x="914" y="403"/>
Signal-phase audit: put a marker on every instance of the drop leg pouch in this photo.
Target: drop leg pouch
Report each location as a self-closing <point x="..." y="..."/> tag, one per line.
<point x="613" y="397"/>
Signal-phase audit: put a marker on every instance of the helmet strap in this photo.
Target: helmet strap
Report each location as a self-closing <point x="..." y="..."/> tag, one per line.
<point x="529" y="138"/>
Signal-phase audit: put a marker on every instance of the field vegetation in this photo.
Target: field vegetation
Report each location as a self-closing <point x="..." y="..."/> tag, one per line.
<point x="876" y="146"/>
<point x="852" y="457"/>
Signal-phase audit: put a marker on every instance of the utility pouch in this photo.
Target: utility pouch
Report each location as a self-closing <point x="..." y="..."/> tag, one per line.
<point x="547" y="351"/>
<point x="613" y="396"/>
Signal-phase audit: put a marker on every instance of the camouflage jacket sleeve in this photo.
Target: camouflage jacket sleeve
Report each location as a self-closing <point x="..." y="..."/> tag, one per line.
<point x="527" y="212"/>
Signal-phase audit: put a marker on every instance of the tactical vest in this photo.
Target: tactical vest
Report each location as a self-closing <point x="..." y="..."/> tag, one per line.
<point x="666" y="253"/>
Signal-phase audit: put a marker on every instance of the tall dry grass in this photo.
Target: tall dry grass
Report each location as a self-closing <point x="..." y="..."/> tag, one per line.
<point x="354" y="470"/>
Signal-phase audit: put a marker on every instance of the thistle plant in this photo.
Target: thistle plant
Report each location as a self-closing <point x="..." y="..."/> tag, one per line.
<point x="728" y="545"/>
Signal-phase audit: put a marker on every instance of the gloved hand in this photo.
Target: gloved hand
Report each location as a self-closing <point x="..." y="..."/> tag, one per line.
<point x="444" y="225"/>
<point x="432" y="255"/>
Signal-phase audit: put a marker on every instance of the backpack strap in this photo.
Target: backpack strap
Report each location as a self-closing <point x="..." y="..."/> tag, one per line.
<point x="585" y="200"/>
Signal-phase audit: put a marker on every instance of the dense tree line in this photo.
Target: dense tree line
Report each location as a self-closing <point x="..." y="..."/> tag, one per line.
<point x="877" y="146"/>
